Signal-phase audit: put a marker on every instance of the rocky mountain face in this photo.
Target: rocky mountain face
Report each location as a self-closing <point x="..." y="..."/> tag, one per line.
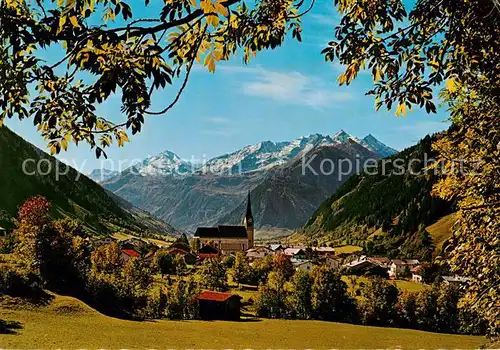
<point x="289" y="197"/>
<point x="264" y="155"/>
<point x="214" y="192"/>
<point x="71" y="193"/>
<point x="185" y="201"/>
<point x="376" y="146"/>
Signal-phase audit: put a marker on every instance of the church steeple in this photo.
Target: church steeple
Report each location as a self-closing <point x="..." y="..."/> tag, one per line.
<point x="249" y="208"/>
<point x="248" y="222"/>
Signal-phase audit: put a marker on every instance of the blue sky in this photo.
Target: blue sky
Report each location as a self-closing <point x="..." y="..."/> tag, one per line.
<point x="282" y="95"/>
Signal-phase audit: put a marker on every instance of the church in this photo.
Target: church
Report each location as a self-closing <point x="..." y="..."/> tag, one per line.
<point x="229" y="239"/>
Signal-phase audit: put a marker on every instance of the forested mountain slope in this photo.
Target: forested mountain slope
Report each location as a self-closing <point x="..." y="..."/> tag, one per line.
<point x="71" y="193"/>
<point x="385" y="212"/>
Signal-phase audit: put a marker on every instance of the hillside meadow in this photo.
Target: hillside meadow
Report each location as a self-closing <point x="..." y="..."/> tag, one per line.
<point x="68" y="323"/>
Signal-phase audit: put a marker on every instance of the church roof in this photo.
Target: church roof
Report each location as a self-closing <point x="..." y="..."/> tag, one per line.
<point x="222" y="231"/>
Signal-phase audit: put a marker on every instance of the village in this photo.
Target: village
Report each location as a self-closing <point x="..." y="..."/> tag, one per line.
<point x="302" y="258"/>
<point x="226" y="244"/>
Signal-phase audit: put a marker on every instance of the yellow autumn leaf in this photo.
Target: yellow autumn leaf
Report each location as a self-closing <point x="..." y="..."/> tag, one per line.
<point x="451" y="85"/>
<point x="401" y="110"/>
<point x="342" y="79"/>
<point x="221" y="9"/>
<point x="74" y="21"/>
<point x="62" y="22"/>
<point x="206" y="6"/>
<point x="172" y="36"/>
<point x="64" y="144"/>
<point x="193" y="3"/>
<point x="210" y="62"/>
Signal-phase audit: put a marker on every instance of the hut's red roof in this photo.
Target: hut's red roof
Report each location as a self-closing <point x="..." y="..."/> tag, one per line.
<point x="216" y="296"/>
<point x="130" y="252"/>
<point x="208" y="256"/>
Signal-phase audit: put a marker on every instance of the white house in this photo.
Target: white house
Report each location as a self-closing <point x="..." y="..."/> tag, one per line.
<point x="296" y="253"/>
<point x="416" y="274"/>
<point x="324" y="251"/>
<point x="456" y="280"/>
<point x="258" y="252"/>
<point x="305" y="265"/>
<point x="331" y="261"/>
<point x="276" y="248"/>
<point x="106" y="240"/>
<point x="397" y="267"/>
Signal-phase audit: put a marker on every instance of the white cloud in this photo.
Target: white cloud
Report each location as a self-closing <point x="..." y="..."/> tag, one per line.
<point x="421" y="129"/>
<point x="221" y="132"/>
<point x="218" y="120"/>
<point x="220" y="126"/>
<point x="294" y="88"/>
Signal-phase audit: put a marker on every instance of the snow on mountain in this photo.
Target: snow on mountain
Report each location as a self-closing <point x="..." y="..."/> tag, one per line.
<point x="341" y="136"/>
<point x="165" y="163"/>
<point x="375" y="145"/>
<point x="260" y="156"/>
<point x="100" y="175"/>
<point x="263" y="155"/>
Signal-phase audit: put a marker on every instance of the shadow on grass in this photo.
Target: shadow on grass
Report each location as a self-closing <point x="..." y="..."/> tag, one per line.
<point x="9" y="327"/>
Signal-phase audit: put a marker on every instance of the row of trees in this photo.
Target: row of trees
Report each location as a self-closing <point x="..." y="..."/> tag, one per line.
<point x="323" y="295"/>
<point x="53" y="254"/>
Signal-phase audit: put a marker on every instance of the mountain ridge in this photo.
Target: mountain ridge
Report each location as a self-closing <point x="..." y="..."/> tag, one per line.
<point x="71" y="193"/>
<point x="263" y="155"/>
<point x="210" y="196"/>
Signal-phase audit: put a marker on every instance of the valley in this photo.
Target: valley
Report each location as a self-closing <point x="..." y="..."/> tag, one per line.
<point x="286" y="192"/>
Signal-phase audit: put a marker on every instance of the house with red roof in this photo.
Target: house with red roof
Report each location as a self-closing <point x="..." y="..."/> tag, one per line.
<point x="127" y="254"/>
<point x="219" y="306"/>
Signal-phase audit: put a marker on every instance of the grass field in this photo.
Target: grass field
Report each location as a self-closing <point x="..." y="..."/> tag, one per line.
<point x="347" y="249"/>
<point x="440" y="231"/>
<point x="68" y="323"/>
<point x="401" y="284"/>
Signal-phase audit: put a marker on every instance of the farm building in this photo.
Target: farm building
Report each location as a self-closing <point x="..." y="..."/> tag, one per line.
<point x="219" y="306"/>
<point x="305" y="265"/>
<point x="128" y="254"/>
<point x="258" y="252"/>
<point x="296" y="253"/>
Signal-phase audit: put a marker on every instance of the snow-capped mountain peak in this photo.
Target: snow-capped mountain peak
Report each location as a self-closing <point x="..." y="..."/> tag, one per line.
<point x="341" y="136"/>
<point x="165" y="163"/>
<point x="370" y="142"/>
<point x="264" y="155"/>
<point x="260" y="156"/>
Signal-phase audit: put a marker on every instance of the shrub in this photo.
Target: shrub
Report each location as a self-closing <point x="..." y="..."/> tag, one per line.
<point x="330" y="299"/>
<point x="19" y="283"/>
<point x="213" y="275"/>
<point x="377" y="303"/>
<point x="271" y="300"/>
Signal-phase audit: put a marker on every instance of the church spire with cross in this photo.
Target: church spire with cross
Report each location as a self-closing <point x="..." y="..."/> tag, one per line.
<point x="248" y="222"/>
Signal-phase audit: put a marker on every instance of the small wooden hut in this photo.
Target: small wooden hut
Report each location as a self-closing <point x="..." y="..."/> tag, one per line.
<point x="219" y="306"/>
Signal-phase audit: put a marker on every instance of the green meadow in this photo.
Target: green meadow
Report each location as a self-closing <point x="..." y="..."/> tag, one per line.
<point x="68" y="323"/>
